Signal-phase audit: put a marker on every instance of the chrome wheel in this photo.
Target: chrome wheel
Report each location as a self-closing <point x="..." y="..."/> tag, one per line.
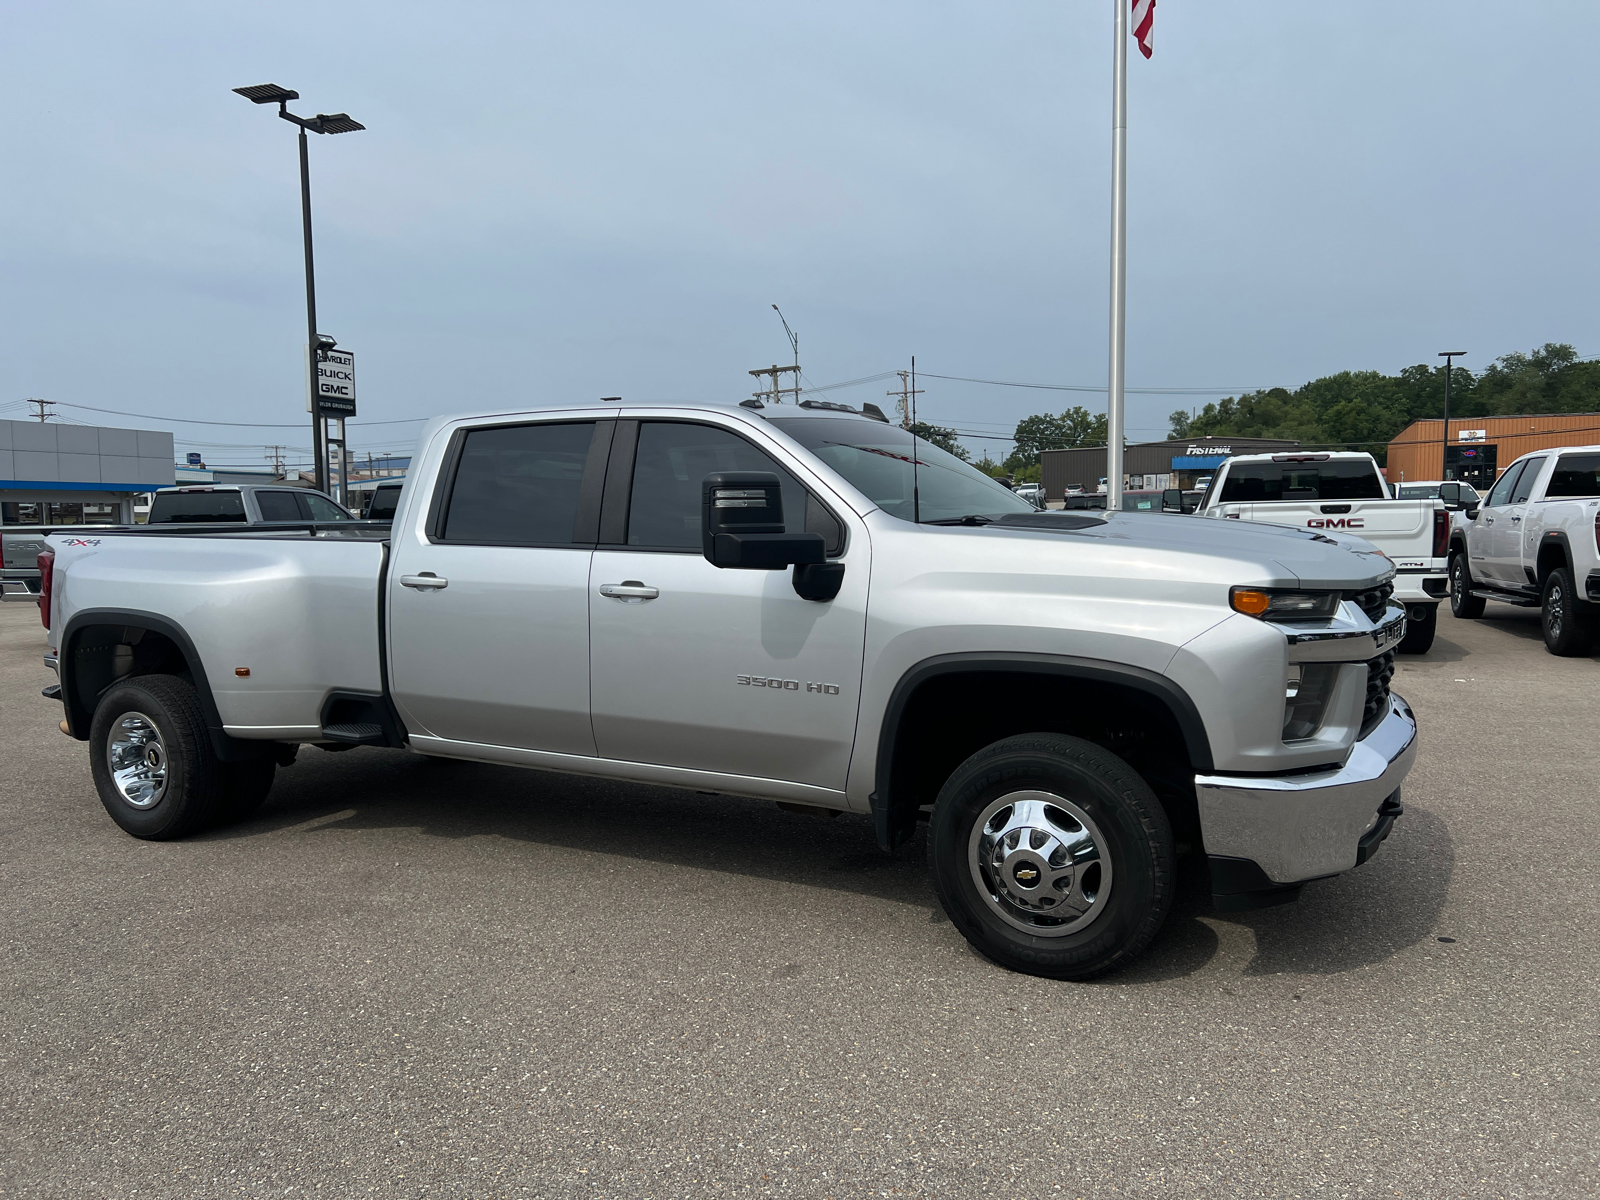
<point x="1554" y="609"/>
<point x="1041" y="863"/>
<point x="138" y="760"/>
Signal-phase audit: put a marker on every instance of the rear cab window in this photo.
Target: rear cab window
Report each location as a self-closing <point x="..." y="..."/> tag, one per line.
<point x="1254" y="483"/>
<point x="518" y="485"/>
<point x="1577" y="476"/>
<point x="185" y="508"/>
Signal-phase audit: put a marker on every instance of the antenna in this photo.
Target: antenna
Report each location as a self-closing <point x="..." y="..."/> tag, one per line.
<point x="916" y="494"/>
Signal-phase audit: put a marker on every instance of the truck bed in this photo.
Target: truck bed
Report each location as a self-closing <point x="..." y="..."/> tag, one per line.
<point x="234" y="593"/>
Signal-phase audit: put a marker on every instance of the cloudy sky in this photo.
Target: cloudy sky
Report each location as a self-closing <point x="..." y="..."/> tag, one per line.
<point x="565" y="201"/>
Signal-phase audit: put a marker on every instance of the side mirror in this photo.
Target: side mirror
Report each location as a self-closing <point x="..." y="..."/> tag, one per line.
<point x="1450" y="493"/>
<point x="741" y="524"/>
<point x="1472" y="512"/>
<point x="1172" y="500"/>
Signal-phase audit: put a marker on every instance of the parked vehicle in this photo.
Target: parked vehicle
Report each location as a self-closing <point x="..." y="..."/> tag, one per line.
<point x="19" y="554"/>
<point x="243" y="504"/>
<point x="381" y="502"/>
<point x="1344" y="493"/>
<point x="1033" y="493"/>
<point x="1535" y="542"/>
<point x="801" y="606"/>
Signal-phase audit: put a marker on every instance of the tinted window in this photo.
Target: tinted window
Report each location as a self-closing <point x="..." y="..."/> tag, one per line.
<point x="195" y="507"/>
<point x="1501" y="492"/>
<point x="518" y="485"/>
<point x="1348" y="479"/>
<point x="323" y="509"/>
<point x="1575" y="475"/>
<point x="672" y="460"/>
<point x="384" y="500"/>
<point x="884" y="462"/>
<point x="278" y="506"/>
<point x="1525" y="481"/>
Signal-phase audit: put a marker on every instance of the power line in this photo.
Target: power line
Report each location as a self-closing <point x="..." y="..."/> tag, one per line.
<point x="117" y="412"/>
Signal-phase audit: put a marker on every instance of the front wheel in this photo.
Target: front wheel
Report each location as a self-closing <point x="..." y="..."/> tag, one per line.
<point x="1565" y="618"/>
<point x="1463" y="603"/>
<point x="1051" y="856"/>
<point x="1422" y="620"/>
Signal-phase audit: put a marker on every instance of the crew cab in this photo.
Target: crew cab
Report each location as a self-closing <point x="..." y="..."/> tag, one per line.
<point x="1534" y="541"/>
<point x="1345" y="493"/>
<point x="788" y="603"/>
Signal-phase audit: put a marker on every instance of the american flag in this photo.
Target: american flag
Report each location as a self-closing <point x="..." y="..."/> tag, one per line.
<point x="1144" y="19"/>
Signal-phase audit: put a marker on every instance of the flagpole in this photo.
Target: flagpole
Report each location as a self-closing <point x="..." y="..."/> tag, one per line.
<point x="1119" y="256"/>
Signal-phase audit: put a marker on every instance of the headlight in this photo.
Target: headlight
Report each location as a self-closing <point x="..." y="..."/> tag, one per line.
<point x="1271" y="603"/>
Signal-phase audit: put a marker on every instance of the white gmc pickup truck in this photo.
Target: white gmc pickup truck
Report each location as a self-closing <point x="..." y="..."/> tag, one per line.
<point x="1340" y="492"/>
<point x="795" y="603"/>
<point x="1535" y="541"/>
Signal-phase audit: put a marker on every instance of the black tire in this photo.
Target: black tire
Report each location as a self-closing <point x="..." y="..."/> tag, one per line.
<point x="1131" y="877"/>
<point x="244" y="789"/>
<point x="1463" y="603"/>
<point x="1419" y="631"/>
<point x="187" y="799"/>
<point x="1567" y="622"/>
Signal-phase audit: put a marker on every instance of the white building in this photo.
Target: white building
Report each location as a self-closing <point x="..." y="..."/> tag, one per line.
<point x="53" y="473"/>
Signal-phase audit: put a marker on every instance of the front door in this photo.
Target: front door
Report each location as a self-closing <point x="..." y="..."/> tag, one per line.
<point x="1505" y="545"/>
<point x="716" y="670"/>
<point x="488" y="596"/>
<point x="1481" y="533"/>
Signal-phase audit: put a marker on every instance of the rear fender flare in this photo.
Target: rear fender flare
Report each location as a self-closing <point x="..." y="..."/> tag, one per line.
<point x="80" y="708"/>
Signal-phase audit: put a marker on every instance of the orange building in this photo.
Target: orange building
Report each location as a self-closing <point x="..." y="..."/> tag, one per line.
<point x="1481" y="447"/>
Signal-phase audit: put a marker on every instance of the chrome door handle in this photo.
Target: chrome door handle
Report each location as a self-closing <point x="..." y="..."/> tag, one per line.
<point x="628" y="589"/>
<point x="426" y="581"/>
<point x="1488" y="520"/>
<point x="1516" y="520"/>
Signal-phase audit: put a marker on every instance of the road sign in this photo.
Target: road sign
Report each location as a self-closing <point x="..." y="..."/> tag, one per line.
<point x="196" y="459"/>
<point x="336" y="384"/>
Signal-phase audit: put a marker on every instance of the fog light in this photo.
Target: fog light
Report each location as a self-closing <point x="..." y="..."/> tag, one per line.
<point x="1307" y="689"/>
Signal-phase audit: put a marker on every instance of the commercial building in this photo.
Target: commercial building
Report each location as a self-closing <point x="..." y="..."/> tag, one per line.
<point x="1148" y="465"/>
<point x="52" y="473"/>
<point x="1481" y="447"/>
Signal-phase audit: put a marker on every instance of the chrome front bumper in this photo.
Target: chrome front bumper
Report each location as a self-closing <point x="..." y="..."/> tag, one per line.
<point x="1299" y="827"/>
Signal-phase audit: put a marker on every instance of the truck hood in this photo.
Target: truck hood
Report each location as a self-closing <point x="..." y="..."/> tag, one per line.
<point x="1286" y="557"/>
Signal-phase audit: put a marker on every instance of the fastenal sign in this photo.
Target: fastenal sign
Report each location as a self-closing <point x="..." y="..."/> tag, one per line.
<point x="336" y="384"/>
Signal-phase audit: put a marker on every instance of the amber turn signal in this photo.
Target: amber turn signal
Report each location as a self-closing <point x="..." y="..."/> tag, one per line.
<point x="1249" y="601"/>
<point x="242" y="672"/>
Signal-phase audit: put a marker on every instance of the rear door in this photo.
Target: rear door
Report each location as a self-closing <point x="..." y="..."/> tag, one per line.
<point x="488" y="596"/>
<point x="717" y="670"/>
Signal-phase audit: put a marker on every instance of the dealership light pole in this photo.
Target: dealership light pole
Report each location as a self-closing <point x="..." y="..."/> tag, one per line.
<point x="1449" y="357"/>
<point x="317" y="345"/>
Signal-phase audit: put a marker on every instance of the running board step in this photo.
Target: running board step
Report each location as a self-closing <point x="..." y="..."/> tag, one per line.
<point x="1519" y="599"/>
<point x="355" y="734"/>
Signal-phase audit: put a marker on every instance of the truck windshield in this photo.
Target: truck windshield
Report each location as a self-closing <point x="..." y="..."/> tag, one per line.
<point x="1575" y="475"/>
<point x="1350" y="479"/>
<point x="170" y="508"/>
<point x="883" y="462"/>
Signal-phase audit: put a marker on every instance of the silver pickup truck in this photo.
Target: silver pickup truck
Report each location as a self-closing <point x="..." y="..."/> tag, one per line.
<point x="793" y="603"/>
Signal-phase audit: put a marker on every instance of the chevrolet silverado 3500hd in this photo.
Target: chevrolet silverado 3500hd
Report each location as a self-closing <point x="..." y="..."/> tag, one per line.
<point x="795" y="603"/>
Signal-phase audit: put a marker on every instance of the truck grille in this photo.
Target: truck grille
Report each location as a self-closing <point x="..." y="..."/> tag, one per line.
<point x="1380" y="671"/>
<point x="1374" y="601"/>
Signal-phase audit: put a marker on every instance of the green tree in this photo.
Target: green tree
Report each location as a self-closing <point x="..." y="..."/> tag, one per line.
<point x="943" y="438"/>
<point x="1180" y="426"/>
<point x="989" y="466"/>
<point x="1075" y="427"/>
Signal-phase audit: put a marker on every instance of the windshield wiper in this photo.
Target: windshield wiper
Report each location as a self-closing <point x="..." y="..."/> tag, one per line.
<point x="969" y="519"/>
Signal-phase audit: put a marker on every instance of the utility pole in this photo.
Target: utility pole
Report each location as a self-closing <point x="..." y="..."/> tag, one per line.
<point x="794" y="343"/>
<point x="908" y="390"/>
<point x="275" y="457"/>
<point x="777" y="393"/>
<point x="44" y="407"/>
<point x="1449" y="357"/>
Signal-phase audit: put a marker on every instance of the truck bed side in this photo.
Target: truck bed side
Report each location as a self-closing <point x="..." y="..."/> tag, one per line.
<point x="276" y="623"/>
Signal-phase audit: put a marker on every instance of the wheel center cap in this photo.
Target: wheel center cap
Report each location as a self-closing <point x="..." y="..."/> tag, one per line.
<point x="152" y="757"/>
<point x="1026" y="874"/>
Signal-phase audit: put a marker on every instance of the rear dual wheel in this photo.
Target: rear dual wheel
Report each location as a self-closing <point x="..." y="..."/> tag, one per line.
<point x="1052" y="856"/>
<point x="154" y="766"/>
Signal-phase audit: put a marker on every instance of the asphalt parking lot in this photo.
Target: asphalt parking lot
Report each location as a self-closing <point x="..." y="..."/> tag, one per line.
<point x="416" y="978"/>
